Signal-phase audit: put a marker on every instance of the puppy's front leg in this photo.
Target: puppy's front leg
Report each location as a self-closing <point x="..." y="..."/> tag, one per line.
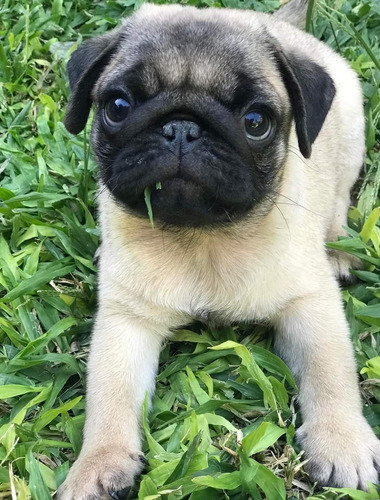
<point x="313" y="337"/>
<point x="122" y="367"/>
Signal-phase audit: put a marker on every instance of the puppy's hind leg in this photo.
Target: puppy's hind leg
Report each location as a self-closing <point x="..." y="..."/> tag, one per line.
<point x="340" y="261"/>
<point x="351" y="163"/>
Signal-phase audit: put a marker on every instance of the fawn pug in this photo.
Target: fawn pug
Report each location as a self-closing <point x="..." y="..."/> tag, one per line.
<point x="255" y="132"/>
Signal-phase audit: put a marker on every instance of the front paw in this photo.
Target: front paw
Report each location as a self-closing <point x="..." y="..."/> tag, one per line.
<point x="104" y="473"/>
<point x="341" y="454"/>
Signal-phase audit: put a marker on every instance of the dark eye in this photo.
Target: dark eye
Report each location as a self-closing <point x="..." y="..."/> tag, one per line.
<point x="116" y="110"/>
<point x="258" y="125"/>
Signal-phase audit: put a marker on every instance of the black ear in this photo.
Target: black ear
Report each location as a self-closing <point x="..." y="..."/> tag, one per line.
<point x="311" y="92"/>
<point x="84" y="68"/>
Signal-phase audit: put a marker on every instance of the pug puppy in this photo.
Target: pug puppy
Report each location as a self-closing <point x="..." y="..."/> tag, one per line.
<point x="249" y="134"/>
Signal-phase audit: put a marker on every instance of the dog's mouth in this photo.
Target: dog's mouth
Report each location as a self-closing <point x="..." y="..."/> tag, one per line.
<point x="180" y="202"/>
<point x="184" y="190"/>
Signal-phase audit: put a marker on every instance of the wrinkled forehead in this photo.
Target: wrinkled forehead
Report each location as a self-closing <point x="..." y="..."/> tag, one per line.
<point x="196" y="53"/>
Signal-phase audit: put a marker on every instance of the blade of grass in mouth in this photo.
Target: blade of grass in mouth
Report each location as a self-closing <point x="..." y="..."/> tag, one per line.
<point x="147" y="192"/>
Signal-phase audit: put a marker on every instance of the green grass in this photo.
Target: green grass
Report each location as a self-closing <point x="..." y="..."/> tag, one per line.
<point x="222" y="424"/>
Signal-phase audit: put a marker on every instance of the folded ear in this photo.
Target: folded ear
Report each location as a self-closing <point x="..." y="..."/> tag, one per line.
<point x="84" y="68"/>
<point x="311" y="91"/>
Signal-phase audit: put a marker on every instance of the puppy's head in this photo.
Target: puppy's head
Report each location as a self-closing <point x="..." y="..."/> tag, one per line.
<point x="197" y="105"/>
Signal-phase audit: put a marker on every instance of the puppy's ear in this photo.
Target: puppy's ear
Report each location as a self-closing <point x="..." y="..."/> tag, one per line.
<point x="84" y="68"/>
<point x="311" y="92"/>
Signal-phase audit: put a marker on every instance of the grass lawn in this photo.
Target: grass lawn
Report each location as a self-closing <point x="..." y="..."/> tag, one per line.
<point x="216" y="403"/>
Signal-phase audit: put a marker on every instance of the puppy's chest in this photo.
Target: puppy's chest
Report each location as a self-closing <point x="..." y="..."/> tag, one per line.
<point x="218" y="285"/>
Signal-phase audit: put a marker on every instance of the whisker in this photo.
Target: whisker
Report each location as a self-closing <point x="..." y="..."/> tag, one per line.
<point x="282" y="214"/>
<point x="100" y="193"/>
<point x="228" y="215"/>
<point x="310" y="164"/>
<point x="298" y="205"/>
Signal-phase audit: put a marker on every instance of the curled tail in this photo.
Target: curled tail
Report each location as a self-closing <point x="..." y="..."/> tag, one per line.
<point x="293" y="12"/>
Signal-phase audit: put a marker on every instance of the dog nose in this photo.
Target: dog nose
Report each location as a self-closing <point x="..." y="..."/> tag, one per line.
<point x="180" y="135"/>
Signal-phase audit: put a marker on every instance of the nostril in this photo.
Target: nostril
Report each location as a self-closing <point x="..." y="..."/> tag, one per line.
<point x="168" y="131"/>
<point x="194" y="132"/>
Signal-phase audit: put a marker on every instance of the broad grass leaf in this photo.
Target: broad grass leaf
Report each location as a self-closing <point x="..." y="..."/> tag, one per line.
<point x="351" y="249"/>
<point x="366" y="276"/>
<point x="249" y="391"/>
<point x="17" y="364"/>
<point x="183" y="487"/>
<point x="253" y="368"/>
<point x="173" y="493"/>
<point x="28" y="321"/>
<point x="228" y="344"/>
<point x="6" y="379"/>
<point x="189" y="336"/>
<point x="309" y="14"/>
<point x="34" y="230"/>
<point x="208" y="381"/>
<point x="154" y="447"/>
<point x="201" y="396"/>
<point x="247" y="474"/>
<point x="32" y="262"/>
<point x="50" y="415"/>
<point x="193" y="423"/>
<point x="207" y="494"/>
<point x="165" y="433"/>
<point x="213" y="419"/>
<point x="38" y="344"/>
<point x="178" y="364"/>
<point x="147" y="487"/>
<point x="218" y="366"/>
<point x="210" y="406"/>
<point x="4" y="475"/>
<point x="34" y="198"/>
<point x="372" y="414"/>
<point x="174" y="440"/>
<point x="369" y="314"/>
<point x="48" y="476"/>
<point x="42" y="277"/>
<point x="12" y="270"/>
<point x="4" y="65"/>
<point x="272" y="363"/>
<point x="371" y="311"/>
<point x="42" y="396"/>
<point x="61" y="472"/>
<point x="272" y="486"/>
<point x="6" y="194"/>
<point x="261" y="438"/>
<point x="228" y="481"/>
<point x="161" y="471"/>
<point x="375" y="236"/>
<point x="12" y="390"/>
<point x="372" y="494"/>
<point x="347" y="244"/>
<point x="372" y="368"/>
<point x="21" y="115"/>
<point x="183" y="465"/>
<point x="38" y="488"/>
<point x="8" y="436"/>
<point x="369" y="224"/>
<point x="280" y="392"/>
